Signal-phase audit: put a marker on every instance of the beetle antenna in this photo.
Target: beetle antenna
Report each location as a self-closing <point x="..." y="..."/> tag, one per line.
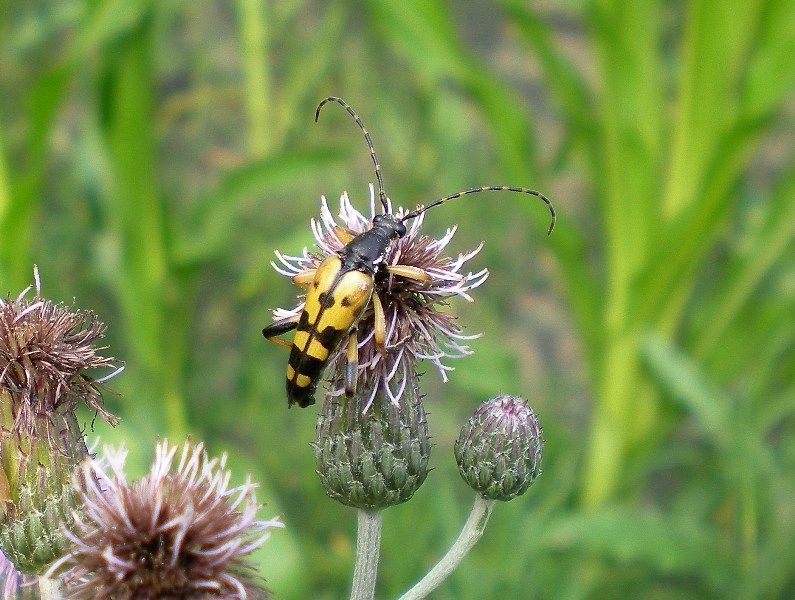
<point x="489" y="188"/>
<point x="351" y="112"/>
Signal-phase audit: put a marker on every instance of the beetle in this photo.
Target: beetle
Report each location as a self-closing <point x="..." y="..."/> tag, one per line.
<point x="339" y="290"/>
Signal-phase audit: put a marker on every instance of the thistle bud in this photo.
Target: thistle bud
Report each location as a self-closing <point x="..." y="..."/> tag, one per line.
<point x="374" y="459"/>
<point x="499" y="449"/>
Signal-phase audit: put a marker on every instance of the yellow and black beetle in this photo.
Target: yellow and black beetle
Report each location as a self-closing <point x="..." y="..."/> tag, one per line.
<point x="341" y="288"/>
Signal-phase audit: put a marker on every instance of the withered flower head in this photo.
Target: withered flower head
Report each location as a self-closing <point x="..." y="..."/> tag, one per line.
<point x="46" y="353"/>
<point x="46" y="350"/>
<point x="417" y="326"/>
<point x="180" y="533"/>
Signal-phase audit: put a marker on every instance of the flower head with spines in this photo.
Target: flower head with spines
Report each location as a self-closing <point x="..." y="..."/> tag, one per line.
<point x="46" y="352"/>
<point x="176" y="533"/>
<point x="417" y="327"/>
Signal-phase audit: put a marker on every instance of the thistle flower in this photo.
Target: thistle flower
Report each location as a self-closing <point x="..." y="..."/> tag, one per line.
<point x="180" y="534"/>
<point x="499" y="448"/>
<point x="416" y="327"/>
<point x="45" y="353"/>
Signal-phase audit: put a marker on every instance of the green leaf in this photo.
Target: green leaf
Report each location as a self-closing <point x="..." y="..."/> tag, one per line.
<point x="683" y="378"/>
<point x="209" y="228"/>
<point x="675" y="546"/>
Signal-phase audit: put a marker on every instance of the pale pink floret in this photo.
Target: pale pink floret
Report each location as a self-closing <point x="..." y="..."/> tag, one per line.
<point x="203" y="529"/>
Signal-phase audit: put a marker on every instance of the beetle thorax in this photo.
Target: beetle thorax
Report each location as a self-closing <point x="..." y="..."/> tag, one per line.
<point x="368" y="249"/>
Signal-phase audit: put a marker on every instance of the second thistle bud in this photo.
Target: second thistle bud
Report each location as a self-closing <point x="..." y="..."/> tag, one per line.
<point x="373" y="459"/>
<point x="499" y="449"/>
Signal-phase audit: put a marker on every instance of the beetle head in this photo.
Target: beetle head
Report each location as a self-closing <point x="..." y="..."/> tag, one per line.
<point x="392" y="227"/>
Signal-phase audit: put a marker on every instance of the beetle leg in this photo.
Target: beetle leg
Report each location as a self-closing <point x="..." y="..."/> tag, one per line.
<point x="279" y="327"/>
<point x="344" y="234"/>
<point x="352" y="365"/>
<point x="305" y="278"/>
<point x="408" y="272"/>
<point x="379" y="319"/>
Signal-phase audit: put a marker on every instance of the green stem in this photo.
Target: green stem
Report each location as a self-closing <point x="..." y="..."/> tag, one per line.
<point x="5" y="188"/>
<point x="254" y="40"/>
<point x="368" y="548"/>
<point x="470" y="534"/>
<point x="5" y="212"/>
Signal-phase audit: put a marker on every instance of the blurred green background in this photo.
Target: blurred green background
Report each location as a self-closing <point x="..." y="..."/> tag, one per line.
<point x="153" y="155"/>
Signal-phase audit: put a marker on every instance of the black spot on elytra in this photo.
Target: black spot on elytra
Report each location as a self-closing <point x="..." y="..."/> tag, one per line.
<point x="303" y="322"/>
<point x="329" y="337"/>
<point x="326" y="300"/>
<point x="346" y="301"/>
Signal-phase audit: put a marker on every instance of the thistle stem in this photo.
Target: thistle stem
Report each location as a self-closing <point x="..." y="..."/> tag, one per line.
<point x="470" y="534"/>
<point x="368" y="548"/>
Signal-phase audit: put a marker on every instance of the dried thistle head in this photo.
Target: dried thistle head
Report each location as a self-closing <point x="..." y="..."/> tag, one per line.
<point x="46" y="352"/>
<point x="176" y="533"/>
<point x="417" y="325"/>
